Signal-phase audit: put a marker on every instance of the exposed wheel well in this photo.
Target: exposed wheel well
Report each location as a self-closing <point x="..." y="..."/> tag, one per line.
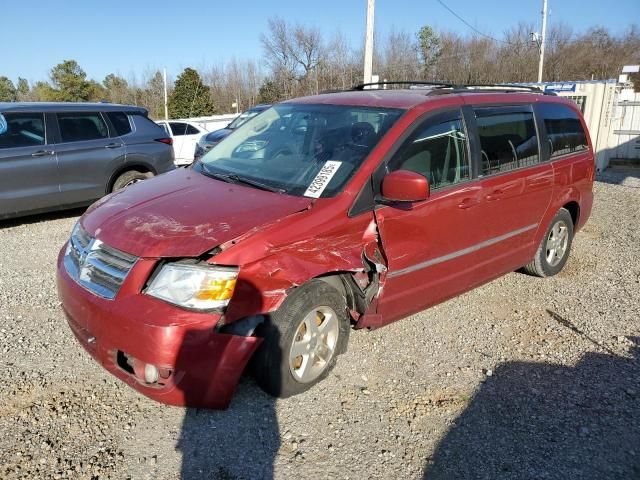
<point x="574" y="209"/>
<point x="138" y="167"/>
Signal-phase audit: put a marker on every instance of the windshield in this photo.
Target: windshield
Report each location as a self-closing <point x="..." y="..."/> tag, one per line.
<point x="244" y="116"/>
<point x="300" y="149"/>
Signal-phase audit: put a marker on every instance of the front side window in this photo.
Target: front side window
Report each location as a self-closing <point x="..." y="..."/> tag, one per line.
<point x="437" y="150"/>
<point x="508" y="139"/>
<point x="301" y="149"/>
<point x="23" y="130"/>
<point x="75" y="127"/>
<point x="564" y="129"/>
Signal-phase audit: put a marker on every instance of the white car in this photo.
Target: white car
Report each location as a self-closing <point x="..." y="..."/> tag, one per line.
<point x="185" y="136"/>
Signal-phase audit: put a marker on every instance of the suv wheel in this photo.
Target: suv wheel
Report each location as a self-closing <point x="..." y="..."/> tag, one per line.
<point x="553" y="251"/>
<point x="302" y="340"/>
<point x="129" y="178"/>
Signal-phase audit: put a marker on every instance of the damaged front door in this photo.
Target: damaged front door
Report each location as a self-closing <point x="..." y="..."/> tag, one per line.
<point x="429" y="245"/>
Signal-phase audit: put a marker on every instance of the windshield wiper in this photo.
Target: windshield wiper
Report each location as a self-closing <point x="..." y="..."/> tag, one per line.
<point x="233" y="178"/>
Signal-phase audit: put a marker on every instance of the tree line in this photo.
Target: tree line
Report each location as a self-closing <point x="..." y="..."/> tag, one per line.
<point x="300" y="60"/>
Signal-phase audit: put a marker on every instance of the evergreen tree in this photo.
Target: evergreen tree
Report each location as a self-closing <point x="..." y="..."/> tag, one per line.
<point x="270" y="92"/>
<point x="190" y="97"/>
<point x="23" y="90"/>
<point x="117" y="89"/>
<point x="70" y="83"/>
<point x="8" y="91"/>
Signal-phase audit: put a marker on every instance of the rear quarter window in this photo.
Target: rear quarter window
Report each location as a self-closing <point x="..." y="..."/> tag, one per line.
<point x="120" y="122"/>
<point x="564" y="129"/>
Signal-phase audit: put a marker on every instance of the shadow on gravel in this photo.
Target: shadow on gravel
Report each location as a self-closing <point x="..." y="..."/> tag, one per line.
<point x="628" y="177"/>
<point x="238" y="443"/>
<point x="544" y="421"/>
<point x="42" y="217"/>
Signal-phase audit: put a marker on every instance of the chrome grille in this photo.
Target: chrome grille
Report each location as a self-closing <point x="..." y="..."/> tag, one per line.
<point x="97" y="267"/>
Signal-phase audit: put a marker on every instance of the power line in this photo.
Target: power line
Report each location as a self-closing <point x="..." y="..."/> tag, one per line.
<point x="469" y="25"/>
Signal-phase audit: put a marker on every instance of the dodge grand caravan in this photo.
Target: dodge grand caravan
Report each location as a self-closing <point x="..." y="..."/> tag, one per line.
<point x="347" y="209"/>
<point x="63" y="155"/>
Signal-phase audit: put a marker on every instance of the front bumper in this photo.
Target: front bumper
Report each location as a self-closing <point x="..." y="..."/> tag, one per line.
<point x="204" y="365"/>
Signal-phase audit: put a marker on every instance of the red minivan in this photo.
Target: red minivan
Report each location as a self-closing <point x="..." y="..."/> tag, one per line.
<point x="323" y="213"/>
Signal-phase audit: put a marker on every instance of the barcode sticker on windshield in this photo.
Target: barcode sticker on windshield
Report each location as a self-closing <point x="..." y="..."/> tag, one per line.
<point x="322" y="179"/>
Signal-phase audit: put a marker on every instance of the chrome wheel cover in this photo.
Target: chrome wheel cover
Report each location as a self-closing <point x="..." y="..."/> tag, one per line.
<point x="314" y="344"/>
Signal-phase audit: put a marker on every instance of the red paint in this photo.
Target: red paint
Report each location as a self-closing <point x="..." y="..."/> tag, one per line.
<point x="279" y="242"/>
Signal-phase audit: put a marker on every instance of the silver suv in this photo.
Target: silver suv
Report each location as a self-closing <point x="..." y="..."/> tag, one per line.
<point x="63" y="155"/>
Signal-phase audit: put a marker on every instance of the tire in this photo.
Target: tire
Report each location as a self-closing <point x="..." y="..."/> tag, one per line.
<point x="128" y="178"/>
<point x="275" y="369"/>
<point x="553" y="252"/>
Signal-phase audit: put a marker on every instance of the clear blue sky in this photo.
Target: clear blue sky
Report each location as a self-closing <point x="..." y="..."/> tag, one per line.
<point x="127" y="37"/>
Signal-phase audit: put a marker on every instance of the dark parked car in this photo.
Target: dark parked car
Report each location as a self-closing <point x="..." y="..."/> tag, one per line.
<point x="62" y="155"/>
<point x="208" y="141"/>
<point x="323" y="213"/>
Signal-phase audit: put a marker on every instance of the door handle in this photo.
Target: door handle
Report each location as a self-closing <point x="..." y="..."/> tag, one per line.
<point x="42" y="153"/>
<point x="468" y="202"/>
<point x="113" y="145"/>
<point x="495" y="195"/>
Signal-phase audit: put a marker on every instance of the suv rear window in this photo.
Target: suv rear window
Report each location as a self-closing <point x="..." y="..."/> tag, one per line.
<point x="23" y="130"/>
<point x="564" y="130"/>
<point x="507" y="138"/>
<point x="120" y="122"/>
<point x="76" y="127"/>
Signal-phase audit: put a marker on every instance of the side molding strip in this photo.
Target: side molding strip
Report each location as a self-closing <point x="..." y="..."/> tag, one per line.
<point x="459" y="253"/>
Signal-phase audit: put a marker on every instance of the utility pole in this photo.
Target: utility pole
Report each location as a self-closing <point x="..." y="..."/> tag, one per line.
<point x="166" y="107"/>
<point x="543" y="40"/>
<point x="368" y="43"/>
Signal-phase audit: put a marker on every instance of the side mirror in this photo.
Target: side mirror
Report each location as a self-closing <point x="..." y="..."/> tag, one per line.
<point x="3" y="125"/>
<point x="405" y="186"/>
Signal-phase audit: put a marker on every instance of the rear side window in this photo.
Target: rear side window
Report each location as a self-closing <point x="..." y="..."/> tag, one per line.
<point x="564" y="130"/>
<point x="23" y="130"/>
<point x="183" y="129"/>
<point x="437" y="150"/>
<point x="120" y="122"/>
<point x="508" y="139"/>
<point x="76" y="127"/>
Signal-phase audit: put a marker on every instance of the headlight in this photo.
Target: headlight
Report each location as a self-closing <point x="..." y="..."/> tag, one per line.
<point x="201" y="287"/>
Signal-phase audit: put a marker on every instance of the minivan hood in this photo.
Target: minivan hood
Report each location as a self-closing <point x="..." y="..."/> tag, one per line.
<point x="183" y="214"/>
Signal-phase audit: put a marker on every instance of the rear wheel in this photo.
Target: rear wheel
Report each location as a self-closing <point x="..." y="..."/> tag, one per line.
<point x="129" y="178"/>
<point x="553" y="251"/>
<point x="302" y="340"/>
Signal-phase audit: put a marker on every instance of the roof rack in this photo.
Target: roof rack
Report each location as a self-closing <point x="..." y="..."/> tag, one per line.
<point x="439" y="88"/>
<point x="510" y="87"/>
<point x="363" y="86"/>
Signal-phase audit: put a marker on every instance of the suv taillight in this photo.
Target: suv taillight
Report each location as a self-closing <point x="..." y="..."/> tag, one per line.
<point x="168" y="141"/>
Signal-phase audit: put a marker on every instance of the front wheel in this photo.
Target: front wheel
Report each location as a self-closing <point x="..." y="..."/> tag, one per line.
<point x="553" y="251"/>
<point x="129" y="178"/>
<point x="301" y="340"/>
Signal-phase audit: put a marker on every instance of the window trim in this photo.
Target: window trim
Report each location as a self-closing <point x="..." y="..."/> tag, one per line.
<point x="517" y="108"/>
<point x="59" y="132"/>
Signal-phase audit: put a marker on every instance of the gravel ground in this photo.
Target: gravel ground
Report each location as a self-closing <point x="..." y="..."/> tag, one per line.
<point x="522" y="378"/>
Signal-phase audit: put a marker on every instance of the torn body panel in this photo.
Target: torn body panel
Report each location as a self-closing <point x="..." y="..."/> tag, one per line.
<point x="263" y="283"/>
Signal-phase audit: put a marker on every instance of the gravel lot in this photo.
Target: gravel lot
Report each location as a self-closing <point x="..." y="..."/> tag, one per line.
<point x="522" y="378"/>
